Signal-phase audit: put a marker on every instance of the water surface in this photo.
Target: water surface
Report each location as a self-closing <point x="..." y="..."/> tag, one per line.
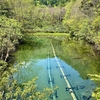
<point x="34" y="60"/>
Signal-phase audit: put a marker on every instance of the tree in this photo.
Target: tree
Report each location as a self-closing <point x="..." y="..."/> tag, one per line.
<point x="89" y="7"/>
<point x="10" y="33"/>
<point x="10" y="89"/>
<point x="51" y="3"/>
<point x="5" y="8"/>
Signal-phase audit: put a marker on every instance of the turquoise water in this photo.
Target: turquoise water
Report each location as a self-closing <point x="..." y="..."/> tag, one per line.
<point x="39" y="68"/>
<point x="34" y="63"/>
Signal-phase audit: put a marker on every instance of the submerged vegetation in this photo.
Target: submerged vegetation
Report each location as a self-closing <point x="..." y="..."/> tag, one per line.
<point x="77" y="20"/>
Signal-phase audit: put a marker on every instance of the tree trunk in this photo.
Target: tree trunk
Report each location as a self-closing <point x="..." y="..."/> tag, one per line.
<point x="7" y="55"/>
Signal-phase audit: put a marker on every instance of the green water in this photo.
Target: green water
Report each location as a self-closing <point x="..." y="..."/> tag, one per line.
<point x="74" y="58"/>
<point x="80" y="56"/>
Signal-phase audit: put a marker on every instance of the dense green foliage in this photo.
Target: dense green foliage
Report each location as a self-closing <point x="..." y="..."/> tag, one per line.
<point x="96" y="93"/>
<point x="78" y="18"/>
<point x="10" y="89"/>
<point x="51" y="3"/>
<point x="9" y="35"/>
<point x="5" y="8"/>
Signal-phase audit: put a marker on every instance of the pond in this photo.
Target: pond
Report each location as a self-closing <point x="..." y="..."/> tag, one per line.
<point x="39" y="61"/>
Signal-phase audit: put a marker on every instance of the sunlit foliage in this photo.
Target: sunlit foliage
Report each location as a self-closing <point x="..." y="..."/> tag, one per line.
<point x="9" y="35"/>
<point x="10" y="89"/>
<point x="78" y="18"/>
<point x="96" y="93"/>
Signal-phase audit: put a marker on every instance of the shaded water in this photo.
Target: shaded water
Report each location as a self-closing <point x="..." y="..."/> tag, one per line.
<point x="34" y="64"/>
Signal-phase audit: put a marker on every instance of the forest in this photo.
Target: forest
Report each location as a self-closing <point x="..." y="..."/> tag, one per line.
<point x="78" y="18"/>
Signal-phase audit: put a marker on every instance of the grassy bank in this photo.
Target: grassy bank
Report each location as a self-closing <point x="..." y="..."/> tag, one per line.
<point x="47" y="34"/>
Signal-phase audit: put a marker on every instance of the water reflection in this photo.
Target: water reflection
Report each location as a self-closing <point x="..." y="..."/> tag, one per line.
<point x="79" y="55"/>
<point x="34" y="63"/>
<point x="82" y="88"/>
